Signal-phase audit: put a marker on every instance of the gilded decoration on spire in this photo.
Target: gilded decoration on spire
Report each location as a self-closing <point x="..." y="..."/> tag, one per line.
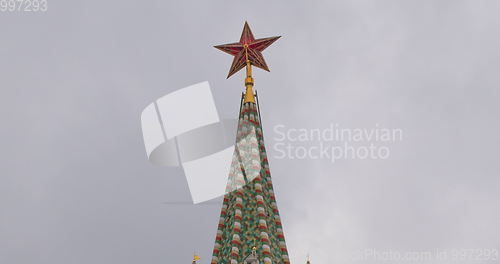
<point x="195" y="258"/>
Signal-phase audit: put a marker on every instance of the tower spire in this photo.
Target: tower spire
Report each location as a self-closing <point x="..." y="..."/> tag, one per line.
<point x="249" y="230"/>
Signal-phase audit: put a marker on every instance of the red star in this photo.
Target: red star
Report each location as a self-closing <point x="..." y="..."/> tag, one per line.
<point x="248" y="46"/>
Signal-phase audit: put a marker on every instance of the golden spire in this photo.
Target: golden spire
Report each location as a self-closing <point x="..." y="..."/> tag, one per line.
<point x="249" y="97"/>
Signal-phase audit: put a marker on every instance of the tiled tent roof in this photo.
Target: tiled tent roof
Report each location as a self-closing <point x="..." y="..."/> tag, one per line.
<point x="249" y="215"/>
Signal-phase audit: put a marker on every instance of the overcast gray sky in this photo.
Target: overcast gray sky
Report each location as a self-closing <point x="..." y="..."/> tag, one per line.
<point x="76" y="186"/>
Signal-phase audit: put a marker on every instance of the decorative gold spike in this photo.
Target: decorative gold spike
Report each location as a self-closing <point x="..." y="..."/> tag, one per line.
<point x="249" y="96"/>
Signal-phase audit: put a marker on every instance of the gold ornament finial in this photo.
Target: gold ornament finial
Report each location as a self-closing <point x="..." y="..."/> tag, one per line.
<point x="195" y="257"/>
